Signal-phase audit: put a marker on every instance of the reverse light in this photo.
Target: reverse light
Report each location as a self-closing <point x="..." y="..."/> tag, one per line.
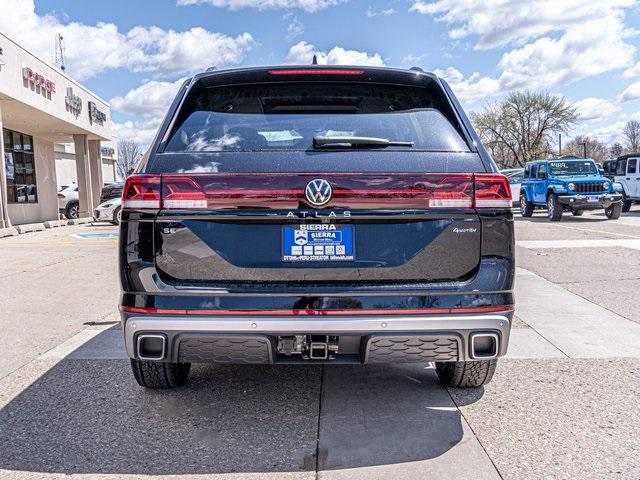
<point x="141" y="192"/>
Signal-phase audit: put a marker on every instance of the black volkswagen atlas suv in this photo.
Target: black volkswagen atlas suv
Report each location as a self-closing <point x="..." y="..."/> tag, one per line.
<point x="316" y="215"/>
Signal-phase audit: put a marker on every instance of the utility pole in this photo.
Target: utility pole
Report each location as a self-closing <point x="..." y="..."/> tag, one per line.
<point x="559" y="145"/>
<point x="584" y="149"/>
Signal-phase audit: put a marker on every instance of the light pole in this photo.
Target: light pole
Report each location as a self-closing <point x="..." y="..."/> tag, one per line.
<point x="584" y="149"/>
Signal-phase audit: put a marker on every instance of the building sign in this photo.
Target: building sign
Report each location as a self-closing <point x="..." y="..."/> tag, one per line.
<point x="108" y="151"/>
<point x="95" y="115"/>
<point x="73" y="102"/>
<point x="38" y="82"/>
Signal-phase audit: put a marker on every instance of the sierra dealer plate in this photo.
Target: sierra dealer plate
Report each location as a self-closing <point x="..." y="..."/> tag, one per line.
<point x="318" y="243"/>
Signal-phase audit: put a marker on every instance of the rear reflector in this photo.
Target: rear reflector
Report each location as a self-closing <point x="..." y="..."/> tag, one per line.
<point x="370" y="311"/>
<point x="141" y="192"/>
<point x="316" y="71"/>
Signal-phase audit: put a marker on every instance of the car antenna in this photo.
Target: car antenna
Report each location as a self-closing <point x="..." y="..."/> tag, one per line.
<point x="315" y="60"/>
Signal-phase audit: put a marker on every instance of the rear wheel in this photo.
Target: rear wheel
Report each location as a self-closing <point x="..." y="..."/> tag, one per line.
<point x="554" y="208"/>
<point x="613" y="211"/>
<point x="466" y="374"/>
<point x="116" y="216"/>
<point x="159" y="375"/>
<point x="526" y="207"/>
<point x="72" y="210"/>
<point x="577" y="213"/>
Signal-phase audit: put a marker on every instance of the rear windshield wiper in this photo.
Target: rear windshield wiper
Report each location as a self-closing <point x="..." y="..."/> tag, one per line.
<point x="356" y="142"/>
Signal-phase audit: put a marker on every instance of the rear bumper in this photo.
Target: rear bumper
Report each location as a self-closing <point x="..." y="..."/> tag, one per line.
<point x="377" y="339"/>
<point x="582" y="201"/>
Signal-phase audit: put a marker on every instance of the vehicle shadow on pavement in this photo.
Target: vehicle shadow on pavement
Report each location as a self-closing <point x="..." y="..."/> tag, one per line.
<point x="89" y="416"/>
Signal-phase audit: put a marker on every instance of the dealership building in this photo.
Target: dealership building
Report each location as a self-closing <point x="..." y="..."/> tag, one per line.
<point x="41" y="107"/>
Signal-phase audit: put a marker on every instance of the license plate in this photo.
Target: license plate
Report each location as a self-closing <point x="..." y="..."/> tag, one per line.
<point x="592" y="199"/>
<point x="318" y="243"/>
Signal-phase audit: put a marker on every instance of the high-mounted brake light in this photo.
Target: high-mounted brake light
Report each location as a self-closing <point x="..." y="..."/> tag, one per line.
<point x="492" y="191"/>
<point x="316" y="71"/>
<point x="141" y="192"/>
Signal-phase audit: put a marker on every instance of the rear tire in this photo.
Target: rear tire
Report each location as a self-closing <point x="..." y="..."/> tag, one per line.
<point x="72" y="210"/>
<point x="526" y="207"/>
<point x="159" y="375"/>
<point x="554" y="208"/>
<point x="116" y="217"/>
<point x="613" y="211"/>
<point x="577" y="213"/>
<point x="471" y="374"/>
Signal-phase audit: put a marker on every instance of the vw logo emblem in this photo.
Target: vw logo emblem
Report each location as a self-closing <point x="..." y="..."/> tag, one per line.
<point x="318" y="192"/>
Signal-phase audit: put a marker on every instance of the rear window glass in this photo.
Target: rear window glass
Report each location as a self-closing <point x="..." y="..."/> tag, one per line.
<point x="287" y="116"/>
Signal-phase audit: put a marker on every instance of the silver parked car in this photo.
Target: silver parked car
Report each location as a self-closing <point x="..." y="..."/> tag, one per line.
<point x="514" y="175"/>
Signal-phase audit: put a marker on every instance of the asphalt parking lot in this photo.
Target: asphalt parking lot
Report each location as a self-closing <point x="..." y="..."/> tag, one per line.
<point x="563" y="404"/>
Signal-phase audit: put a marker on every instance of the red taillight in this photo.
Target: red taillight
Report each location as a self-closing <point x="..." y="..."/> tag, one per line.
<point x="492" y="191"/>
<point x="350" y="190"/>
<point x="454" y="191"/>
<point x="316" y="71"/>
<point x="141" y="192"/>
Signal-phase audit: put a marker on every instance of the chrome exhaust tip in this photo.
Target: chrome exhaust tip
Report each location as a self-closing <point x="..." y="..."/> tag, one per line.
<point x="484" y="346"/>
<point x="151" y="346"/>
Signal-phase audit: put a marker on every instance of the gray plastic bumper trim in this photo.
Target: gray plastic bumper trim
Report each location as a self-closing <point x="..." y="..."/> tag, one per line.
<point x="463" y="325"/>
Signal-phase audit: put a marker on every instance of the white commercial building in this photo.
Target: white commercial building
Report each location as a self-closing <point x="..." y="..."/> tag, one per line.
<point x="40" y="106"/>
<point x="66" y="171"/>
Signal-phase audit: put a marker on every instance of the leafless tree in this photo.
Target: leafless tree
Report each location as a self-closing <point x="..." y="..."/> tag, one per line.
<point x="631" y="134"/>
<point x="129" y="154"/>
<point x="595" y="149"/>
<point x="616" y="150"/>
<point x="523" y="126"/>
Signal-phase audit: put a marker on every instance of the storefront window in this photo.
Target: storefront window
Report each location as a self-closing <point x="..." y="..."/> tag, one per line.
<point x="20" y="167"/>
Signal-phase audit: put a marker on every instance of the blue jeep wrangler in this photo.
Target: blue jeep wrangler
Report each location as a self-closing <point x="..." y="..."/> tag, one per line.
<point x="571" y="185"/>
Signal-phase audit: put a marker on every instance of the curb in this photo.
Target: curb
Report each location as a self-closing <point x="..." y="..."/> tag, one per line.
<point x="55" y="223"/>
<point x="8" y="232"/>
<point x="80" y="221"/>
<point x="30" y="227"/>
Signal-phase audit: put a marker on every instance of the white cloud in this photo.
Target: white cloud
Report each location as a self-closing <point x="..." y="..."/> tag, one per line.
<point x="308" y="5"/>
<point x="413" y="59"/>
<point x="92" y="49"/>
<point x="597" y="47"/>
<point x="472" y="88"/>
<point x="633" y="71"/>
<point x="632" y="92"/>
<point x="149" y="99"/>
<point x="379" y="13"/>
<point x="500" y="22"/>
<point x="302" y="54"/>
<point x="141" y="131"/>
<point x="295" y="28"/>
<point x="592" y="108"/>
<point x="583" y="38"/>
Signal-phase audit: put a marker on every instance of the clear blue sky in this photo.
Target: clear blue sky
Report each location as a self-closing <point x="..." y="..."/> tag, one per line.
<point x="134" y="52"/>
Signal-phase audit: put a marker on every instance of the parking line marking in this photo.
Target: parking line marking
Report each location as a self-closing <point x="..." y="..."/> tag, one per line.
<point x="588" y="243"/>
<point x="597" y="231"/>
